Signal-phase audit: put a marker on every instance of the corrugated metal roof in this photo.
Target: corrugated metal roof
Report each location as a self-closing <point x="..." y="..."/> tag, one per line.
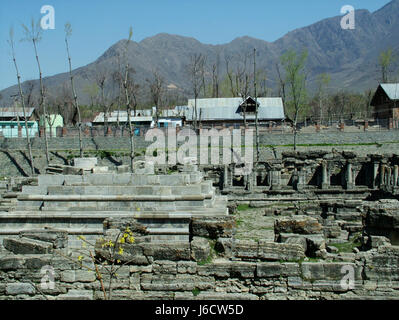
<point x="391" y="89"/>
<point x="141" y="115"/>
<point x="228" y="109"/>
<point x="113" y="117"/>
<point x="14" y="112"/>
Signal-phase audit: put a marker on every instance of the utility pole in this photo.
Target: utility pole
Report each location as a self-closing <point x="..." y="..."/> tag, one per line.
<point x="256" y="110"/>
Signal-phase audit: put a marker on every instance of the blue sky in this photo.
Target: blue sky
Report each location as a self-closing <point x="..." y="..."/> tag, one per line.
<point x="99" y="24"/>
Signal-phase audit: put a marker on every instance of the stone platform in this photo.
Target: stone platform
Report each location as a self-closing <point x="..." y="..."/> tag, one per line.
<point x="79" y="204"/>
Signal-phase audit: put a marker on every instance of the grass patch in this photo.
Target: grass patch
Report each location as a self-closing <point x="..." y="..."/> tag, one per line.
<point x="346" y="247"/>
<point x="239" y="222"/>
<point x="243" y="207"/>
<point x="196" y="292"/>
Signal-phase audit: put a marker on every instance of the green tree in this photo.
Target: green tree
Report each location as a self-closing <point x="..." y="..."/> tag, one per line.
<point x="385" y="62"/>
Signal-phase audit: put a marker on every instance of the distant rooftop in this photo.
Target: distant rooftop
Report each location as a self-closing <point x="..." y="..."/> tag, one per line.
<point x="391" y="89"/>
<point x="15" y="112"/>
<point x="230" y="109"/>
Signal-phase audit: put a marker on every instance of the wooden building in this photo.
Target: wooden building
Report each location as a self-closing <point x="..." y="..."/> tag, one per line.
<point x="385" y="102"/>
<point x="231" y="111"/>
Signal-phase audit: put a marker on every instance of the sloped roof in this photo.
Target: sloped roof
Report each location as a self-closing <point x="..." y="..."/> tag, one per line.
<point x="113" y="117"/>
<point x="391" y="89"/>
<point x="229" y="109"/>
<point x="14" y="112"/>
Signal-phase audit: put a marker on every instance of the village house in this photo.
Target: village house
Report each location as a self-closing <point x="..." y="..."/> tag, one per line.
<point x="143" y="119"/>
<point x="385" y="104"/>
<point x="216" y="112"/>
<point x="12" y="122"/>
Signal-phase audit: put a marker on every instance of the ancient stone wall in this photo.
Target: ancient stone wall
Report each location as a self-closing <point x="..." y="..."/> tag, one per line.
<point x="212" y="266"/>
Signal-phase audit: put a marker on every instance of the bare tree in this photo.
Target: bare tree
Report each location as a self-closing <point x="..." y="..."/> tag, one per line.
<point x="322" y="80"/>
<point x="33" y="34"/>
<point x="282" y="84"/>
<point x="117" y="78"/>
<point x="196" y="70"/>
<point x="296" y="80"/>
<point x="101" y="78"/>
<point x="215" y="77"/>
<point x="21" y="95"/>
<point x="128" y="99"/>
<point x="68" y="33"/>
<point x="157" y="91"/>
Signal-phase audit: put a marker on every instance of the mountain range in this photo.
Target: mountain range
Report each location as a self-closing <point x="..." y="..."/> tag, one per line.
<point x="349" y="56"/>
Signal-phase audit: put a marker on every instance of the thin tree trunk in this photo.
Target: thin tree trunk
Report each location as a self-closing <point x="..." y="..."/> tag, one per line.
<point x="256" y="110"/>
<point x="75" y="99"/>
<point x="24" y="112"/>
<point x="131" y="133"/>
<point x="42" y="103"/>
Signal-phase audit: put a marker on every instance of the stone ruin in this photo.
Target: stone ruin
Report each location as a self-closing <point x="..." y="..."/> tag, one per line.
<point x="184" y="222"/>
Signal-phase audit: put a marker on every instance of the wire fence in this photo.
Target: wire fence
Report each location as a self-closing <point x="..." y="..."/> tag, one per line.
<point x="270" y="127"/>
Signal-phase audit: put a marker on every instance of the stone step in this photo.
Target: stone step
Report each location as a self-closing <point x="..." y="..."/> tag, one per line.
<point x="127" y="190"/>
<point x="119" y="198"/>
<point x="105" y="179"/>
<point x="105" y="214"/>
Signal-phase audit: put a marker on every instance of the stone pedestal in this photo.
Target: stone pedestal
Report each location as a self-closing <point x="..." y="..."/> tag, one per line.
<point x="375" y="174"/>
<point x="325" y="178"/>
<point x="190" y="164"/>
<point x="349" y="176"/>
<point x="366" y="125"/>
<point x="226" y="180"/>
<point x="382" y="175"/>
<point x="85" y="163"/>
<point x="143" y="167"/>
<point x="275" y="179"/>
<point x="301" y="182"/>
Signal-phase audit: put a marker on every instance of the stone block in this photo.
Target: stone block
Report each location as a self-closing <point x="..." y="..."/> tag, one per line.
<point x="27" y="246"/>
<point x="276" y="270"/>
<point x="200" y="249"/>
<point x="85" y="163"/>
<point x="189" y="267"/>
<point x="245" y="249"/>
<point x="220" y="270"/>
<point x="71" y="276"/>
<point x="77" y="294"/>
<point x="9" y="263"/>
<point x="242" y="270"/>
<point x="164" y="267"/>
<point x="297" y="224"/>
<point x="167" y="251"/>
<point x="213" y="228"/>
<point x="20" y="288"/>
<point x="274" y="251"/>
